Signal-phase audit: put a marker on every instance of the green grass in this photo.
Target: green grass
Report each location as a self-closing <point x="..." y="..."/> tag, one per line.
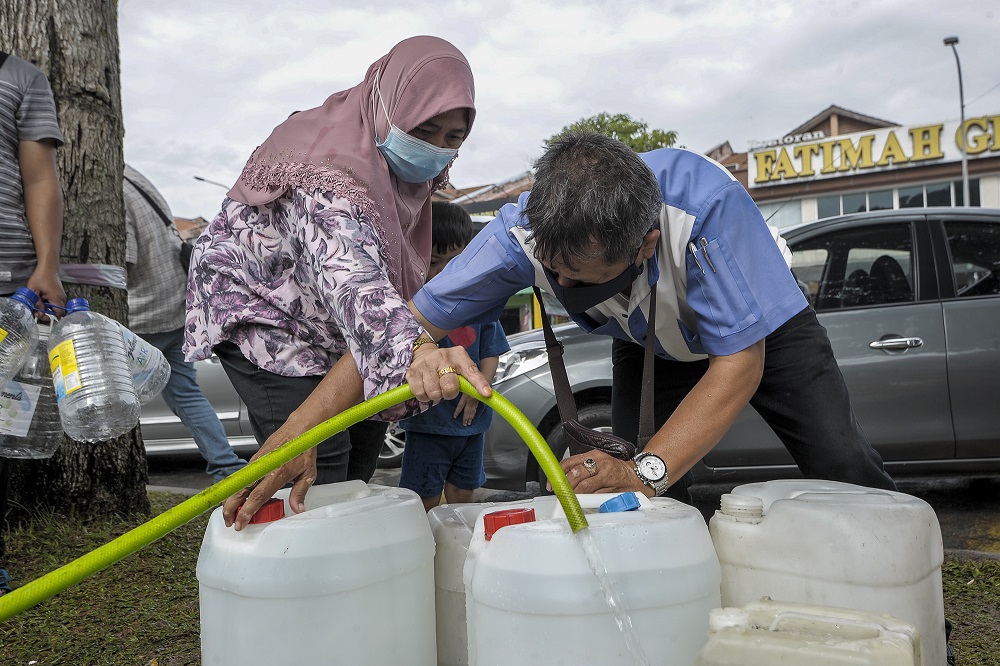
<point x="140" y="610"/>
<point x="144" y="609"/>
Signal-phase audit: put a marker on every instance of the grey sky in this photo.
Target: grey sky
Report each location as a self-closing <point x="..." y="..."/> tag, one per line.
<point x="204" y="82"/>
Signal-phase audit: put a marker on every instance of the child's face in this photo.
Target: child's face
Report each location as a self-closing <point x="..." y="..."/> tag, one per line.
<point x="439" y="260"/>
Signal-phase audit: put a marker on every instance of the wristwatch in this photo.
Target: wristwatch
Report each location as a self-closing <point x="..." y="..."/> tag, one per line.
<point x="652" y="471"/>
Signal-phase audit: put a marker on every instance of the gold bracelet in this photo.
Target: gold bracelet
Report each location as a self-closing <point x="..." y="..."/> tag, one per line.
<point x="422" y="339"/>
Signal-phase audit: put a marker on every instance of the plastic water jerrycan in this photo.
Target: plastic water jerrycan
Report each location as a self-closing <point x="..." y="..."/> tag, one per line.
<point x="322" y="586"/>
<point x="533" y="598"/>
<point x="835" y="545"/>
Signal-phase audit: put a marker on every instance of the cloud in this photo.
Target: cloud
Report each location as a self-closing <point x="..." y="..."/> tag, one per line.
<point x="205" y="82"/>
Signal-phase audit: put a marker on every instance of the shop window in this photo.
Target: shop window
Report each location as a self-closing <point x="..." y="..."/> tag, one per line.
<point x="973" y="192"/>
<point x="939" y="194"/>
<point x="828" y="206"/>
<point x="911" y="197"/>
<point x="854" y="203"/>
<point x="783" y="214"/>
<point x="880" y="200"/>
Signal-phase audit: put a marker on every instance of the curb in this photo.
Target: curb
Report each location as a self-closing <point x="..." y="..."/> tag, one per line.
<point x="970" y="555"/>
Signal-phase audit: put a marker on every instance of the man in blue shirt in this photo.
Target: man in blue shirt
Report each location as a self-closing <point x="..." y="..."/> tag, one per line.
<point x="600" y="227"/>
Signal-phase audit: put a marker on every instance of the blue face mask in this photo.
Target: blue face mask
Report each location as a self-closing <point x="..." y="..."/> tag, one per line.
<point x="411" y="159"/>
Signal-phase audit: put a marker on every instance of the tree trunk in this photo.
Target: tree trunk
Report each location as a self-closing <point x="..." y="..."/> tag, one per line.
<point x="76" y="43"/>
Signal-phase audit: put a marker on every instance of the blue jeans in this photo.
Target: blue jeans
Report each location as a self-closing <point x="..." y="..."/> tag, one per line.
<point x="185" y="399"/>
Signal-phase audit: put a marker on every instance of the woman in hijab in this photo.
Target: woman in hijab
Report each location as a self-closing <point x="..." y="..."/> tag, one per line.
<point x="302" y="280"/>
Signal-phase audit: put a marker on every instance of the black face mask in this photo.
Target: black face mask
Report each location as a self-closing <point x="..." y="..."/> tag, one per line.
<point x="581" y="299"/>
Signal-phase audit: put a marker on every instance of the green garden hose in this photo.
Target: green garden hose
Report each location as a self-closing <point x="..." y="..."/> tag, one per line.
<point x="52" y="583"/>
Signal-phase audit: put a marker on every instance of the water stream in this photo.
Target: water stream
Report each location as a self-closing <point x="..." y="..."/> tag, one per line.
<point x="611" y="596"/>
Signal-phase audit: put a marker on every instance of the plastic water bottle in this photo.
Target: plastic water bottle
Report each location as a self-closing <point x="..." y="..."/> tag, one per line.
<point x="91" y="375"/>
<point x="29" y="417"/>
<point x="18" y="332"/>
<point x="150" y="368"/>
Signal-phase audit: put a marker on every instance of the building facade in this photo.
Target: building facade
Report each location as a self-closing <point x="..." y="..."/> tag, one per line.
<point x="841" y="161"/>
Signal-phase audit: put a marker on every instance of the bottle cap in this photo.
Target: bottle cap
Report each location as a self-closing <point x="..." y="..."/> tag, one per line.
<point x="26" y="296"/>
<point x="494" y="521"/>
<point x="77" y="304"/>
<point x="620" y="503"/>
<point x="270" y="511"/>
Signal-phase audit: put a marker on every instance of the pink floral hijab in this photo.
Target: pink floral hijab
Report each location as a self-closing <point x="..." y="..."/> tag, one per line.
<point x="332" y="148"/>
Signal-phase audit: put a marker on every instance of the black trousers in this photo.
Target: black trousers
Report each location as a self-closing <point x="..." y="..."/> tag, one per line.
<point x="271" y="398"/>
<point x="802" y="396"/>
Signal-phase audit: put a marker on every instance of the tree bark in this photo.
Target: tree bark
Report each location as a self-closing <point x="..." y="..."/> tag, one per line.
<point x="75" y="42"/>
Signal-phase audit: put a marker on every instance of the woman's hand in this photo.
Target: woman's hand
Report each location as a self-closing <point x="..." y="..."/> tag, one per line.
<point x="605" y="475"/>
<point x="433" y="373"/>
<point x="300" y="471"/>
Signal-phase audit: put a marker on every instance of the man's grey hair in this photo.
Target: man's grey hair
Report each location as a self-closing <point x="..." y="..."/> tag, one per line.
<point x="591" y="187"/>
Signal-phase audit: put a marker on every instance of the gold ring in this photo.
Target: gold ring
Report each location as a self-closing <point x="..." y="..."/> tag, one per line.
<point x="590" y="466"/>
<point x="445" y="371"/>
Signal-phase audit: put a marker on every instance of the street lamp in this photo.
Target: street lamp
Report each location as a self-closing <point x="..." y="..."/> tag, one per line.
<point x="210" y="182"/>
<point x="951" y="41"/>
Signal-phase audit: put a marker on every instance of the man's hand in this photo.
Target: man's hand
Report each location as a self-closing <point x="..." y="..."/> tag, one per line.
<point x="606" y="475"/>
<point x="48" y="286"/>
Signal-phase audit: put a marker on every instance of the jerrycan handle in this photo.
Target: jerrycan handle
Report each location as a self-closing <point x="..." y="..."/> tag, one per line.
<point x="331" y="493"/>
<point x="795" y="494"/>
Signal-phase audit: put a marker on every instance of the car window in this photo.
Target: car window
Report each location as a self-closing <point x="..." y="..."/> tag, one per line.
<point x="860" y="266"/>
<point x="975" y="258"/>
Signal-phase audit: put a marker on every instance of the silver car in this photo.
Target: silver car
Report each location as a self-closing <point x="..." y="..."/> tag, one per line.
<point x="164" y="434"/>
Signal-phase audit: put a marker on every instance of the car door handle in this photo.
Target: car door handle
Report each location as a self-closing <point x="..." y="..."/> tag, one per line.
<point x="896" y="343"/>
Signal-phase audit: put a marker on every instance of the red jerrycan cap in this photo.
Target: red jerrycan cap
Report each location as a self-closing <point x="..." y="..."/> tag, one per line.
<point x="271" y="510"/>
<point x="494" y="521"/>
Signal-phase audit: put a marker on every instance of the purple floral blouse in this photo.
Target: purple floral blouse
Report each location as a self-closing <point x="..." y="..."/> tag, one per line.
<point x="295" y="284"/>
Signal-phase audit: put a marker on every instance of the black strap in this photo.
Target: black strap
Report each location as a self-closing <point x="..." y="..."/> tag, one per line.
<point x="145" y="195"/>
<point x="3" y="57"/>
<point x="560" y="380"/>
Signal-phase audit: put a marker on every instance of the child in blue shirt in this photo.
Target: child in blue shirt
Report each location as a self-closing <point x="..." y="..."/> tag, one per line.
<point x="444" y="444"/>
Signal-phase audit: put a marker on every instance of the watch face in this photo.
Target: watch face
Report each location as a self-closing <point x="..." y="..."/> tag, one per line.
<point x="652" y="467"/>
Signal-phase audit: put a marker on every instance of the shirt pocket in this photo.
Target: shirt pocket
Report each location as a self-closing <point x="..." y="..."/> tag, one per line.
<point x="725" y="289"/>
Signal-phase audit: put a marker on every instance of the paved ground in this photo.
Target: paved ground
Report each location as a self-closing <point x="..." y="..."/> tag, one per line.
<point x="968" y="509"/>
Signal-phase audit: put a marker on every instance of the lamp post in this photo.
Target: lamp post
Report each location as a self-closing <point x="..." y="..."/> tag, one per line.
<point x="951" y="41"/>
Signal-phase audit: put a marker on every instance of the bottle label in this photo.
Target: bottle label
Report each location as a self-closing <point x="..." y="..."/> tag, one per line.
<point x="65" y="373"/>
<point x="3" y="334"/>
<point x="138" y="354"/>
<point x="17" y="408"/>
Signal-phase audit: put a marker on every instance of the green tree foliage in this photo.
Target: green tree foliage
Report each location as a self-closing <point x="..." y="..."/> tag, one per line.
<point x="633" y="133"/>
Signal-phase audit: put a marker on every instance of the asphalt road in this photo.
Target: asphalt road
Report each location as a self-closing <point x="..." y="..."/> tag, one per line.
<point x="968" y="508"/>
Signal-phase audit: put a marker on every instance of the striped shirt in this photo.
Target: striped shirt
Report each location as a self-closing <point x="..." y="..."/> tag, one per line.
<point x="157" y="284"/>
<point x="27" y="113"/>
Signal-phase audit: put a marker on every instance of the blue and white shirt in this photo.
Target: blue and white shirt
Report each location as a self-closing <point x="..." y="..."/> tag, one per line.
<point x="728" y="291"/>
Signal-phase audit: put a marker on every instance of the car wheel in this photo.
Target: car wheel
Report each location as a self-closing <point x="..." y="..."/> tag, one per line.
<point x="391" y="455"/>
<point x="595" y="415"/>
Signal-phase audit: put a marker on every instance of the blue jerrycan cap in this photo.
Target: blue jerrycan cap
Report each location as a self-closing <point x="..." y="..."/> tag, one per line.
<point x="620" y="503"/>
